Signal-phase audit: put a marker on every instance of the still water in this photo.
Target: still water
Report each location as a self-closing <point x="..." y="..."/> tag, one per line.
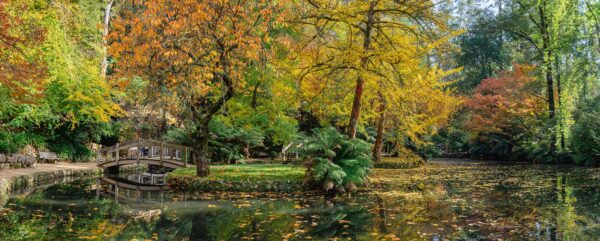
<point x="441" y="201"/>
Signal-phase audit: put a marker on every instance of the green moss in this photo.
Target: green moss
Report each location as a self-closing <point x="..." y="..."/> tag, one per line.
<point x="250" y="178"/>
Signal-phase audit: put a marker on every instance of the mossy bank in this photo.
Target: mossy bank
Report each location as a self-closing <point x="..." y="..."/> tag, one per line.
<point x="24" y="183"/>
<point x="241" y="178"/>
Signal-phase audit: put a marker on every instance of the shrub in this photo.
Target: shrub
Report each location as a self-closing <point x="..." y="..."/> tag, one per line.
<point x="13" y="142"/>
<point x="71" y="142"/>
<point x="491" y="146"/>
<point x="226" y="143"/>
<point x="430" y="150"/>
<point x="585" y="133"/>
<point x="334" y="161"/>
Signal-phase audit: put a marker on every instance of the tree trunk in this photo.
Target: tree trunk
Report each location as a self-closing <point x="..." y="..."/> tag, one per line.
<point x="546" y="58"/>
<point x="201" y="150"/>
<point x="380" y="126"/>
<point x="162" y="129"/>
<point x="104" y="64"/>
<point x="355" y="114"/>
<point x="551" y="107"/>
<point x="255" y="97"/>
<point x="203" y="111"/>
<point x="360" y="82"/>
<point x="558" y="92"/>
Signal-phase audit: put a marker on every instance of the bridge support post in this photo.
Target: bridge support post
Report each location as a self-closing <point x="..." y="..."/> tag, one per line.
<point x="162" y="151"/>
<point x="185" y="157"/>
<point x="97" y="189"/>
<point x="117" y="153"/>
<point x="117" y="192"/>
<point x="139" y="150"/>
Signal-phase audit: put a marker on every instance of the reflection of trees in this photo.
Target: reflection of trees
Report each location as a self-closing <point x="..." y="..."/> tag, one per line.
<point x="408" y="216"/>
<point x="71" y="211"/>
<point x="200" y="221"/>
<point x="260" y="220"/>
<point x="493" y="202"/>
<point x="201" y="225"/>
<point x="343" y="221"/>
<point x="60" y="213"/>
<point x="382" y="216"/>
<point x="577" y="209"/>
<point x="507" y="204"/>
<point x="563" y="203"/>
<point x="67" y="191"/>
<point x="543" y="204"/>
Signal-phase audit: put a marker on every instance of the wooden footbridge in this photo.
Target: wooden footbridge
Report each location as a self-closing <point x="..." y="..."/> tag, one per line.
<point x="144" y="151"/>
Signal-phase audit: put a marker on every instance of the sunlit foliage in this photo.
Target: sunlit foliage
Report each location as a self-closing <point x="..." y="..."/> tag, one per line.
<point x="22" y="71"/>
<point x="73" y="104"/>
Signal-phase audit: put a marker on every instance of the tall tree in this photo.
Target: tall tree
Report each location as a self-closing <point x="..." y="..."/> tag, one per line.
<point x="351" y="40"/>
<point x="417" y="106"/>
<point x="195" y="49"/>
<point x="482" y="52"/>
<point x="538" y="23"/>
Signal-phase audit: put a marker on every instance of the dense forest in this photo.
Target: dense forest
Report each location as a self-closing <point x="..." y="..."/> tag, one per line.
<point x="513" y="80"/>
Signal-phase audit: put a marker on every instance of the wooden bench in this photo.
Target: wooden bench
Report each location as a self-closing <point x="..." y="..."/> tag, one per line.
<point x="49" y="157"/>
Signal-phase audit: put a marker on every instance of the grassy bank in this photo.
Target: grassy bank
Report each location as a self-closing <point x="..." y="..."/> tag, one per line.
<point x="241" y="178"/>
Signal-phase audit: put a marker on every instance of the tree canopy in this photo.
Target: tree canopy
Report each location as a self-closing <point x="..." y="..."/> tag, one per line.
<point x="239" y="79"/>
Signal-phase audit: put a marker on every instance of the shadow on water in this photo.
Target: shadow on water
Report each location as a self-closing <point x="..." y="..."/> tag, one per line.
<point x="436" y="202"/>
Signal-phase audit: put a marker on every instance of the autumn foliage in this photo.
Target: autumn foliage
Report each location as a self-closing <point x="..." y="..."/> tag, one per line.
<point x="508" y="101"/>
<point x="196" y="50"/>
<point x="255" y="76"/>
<point x="21" y="69"/>
<point x="356" y="52"/>
<point x="192" y="44"/>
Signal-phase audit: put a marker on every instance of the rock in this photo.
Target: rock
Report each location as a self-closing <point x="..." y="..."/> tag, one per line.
<point x="28" y="150"/>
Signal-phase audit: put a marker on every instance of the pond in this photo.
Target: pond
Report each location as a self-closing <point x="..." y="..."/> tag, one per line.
<point x="440" y="201"/>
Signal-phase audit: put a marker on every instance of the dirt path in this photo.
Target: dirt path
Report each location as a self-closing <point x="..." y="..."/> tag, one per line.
<point x="11" y="173"/>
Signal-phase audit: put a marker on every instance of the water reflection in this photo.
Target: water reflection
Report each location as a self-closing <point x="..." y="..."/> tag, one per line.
<point x="433" y="203"/>
<point x="127" y="189"/>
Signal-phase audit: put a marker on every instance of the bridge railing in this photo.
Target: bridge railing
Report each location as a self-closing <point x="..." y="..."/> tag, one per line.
<point x="144" y="149"/>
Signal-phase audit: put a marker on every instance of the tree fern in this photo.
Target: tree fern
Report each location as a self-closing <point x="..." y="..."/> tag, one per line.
<point x="335" y="162"/>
